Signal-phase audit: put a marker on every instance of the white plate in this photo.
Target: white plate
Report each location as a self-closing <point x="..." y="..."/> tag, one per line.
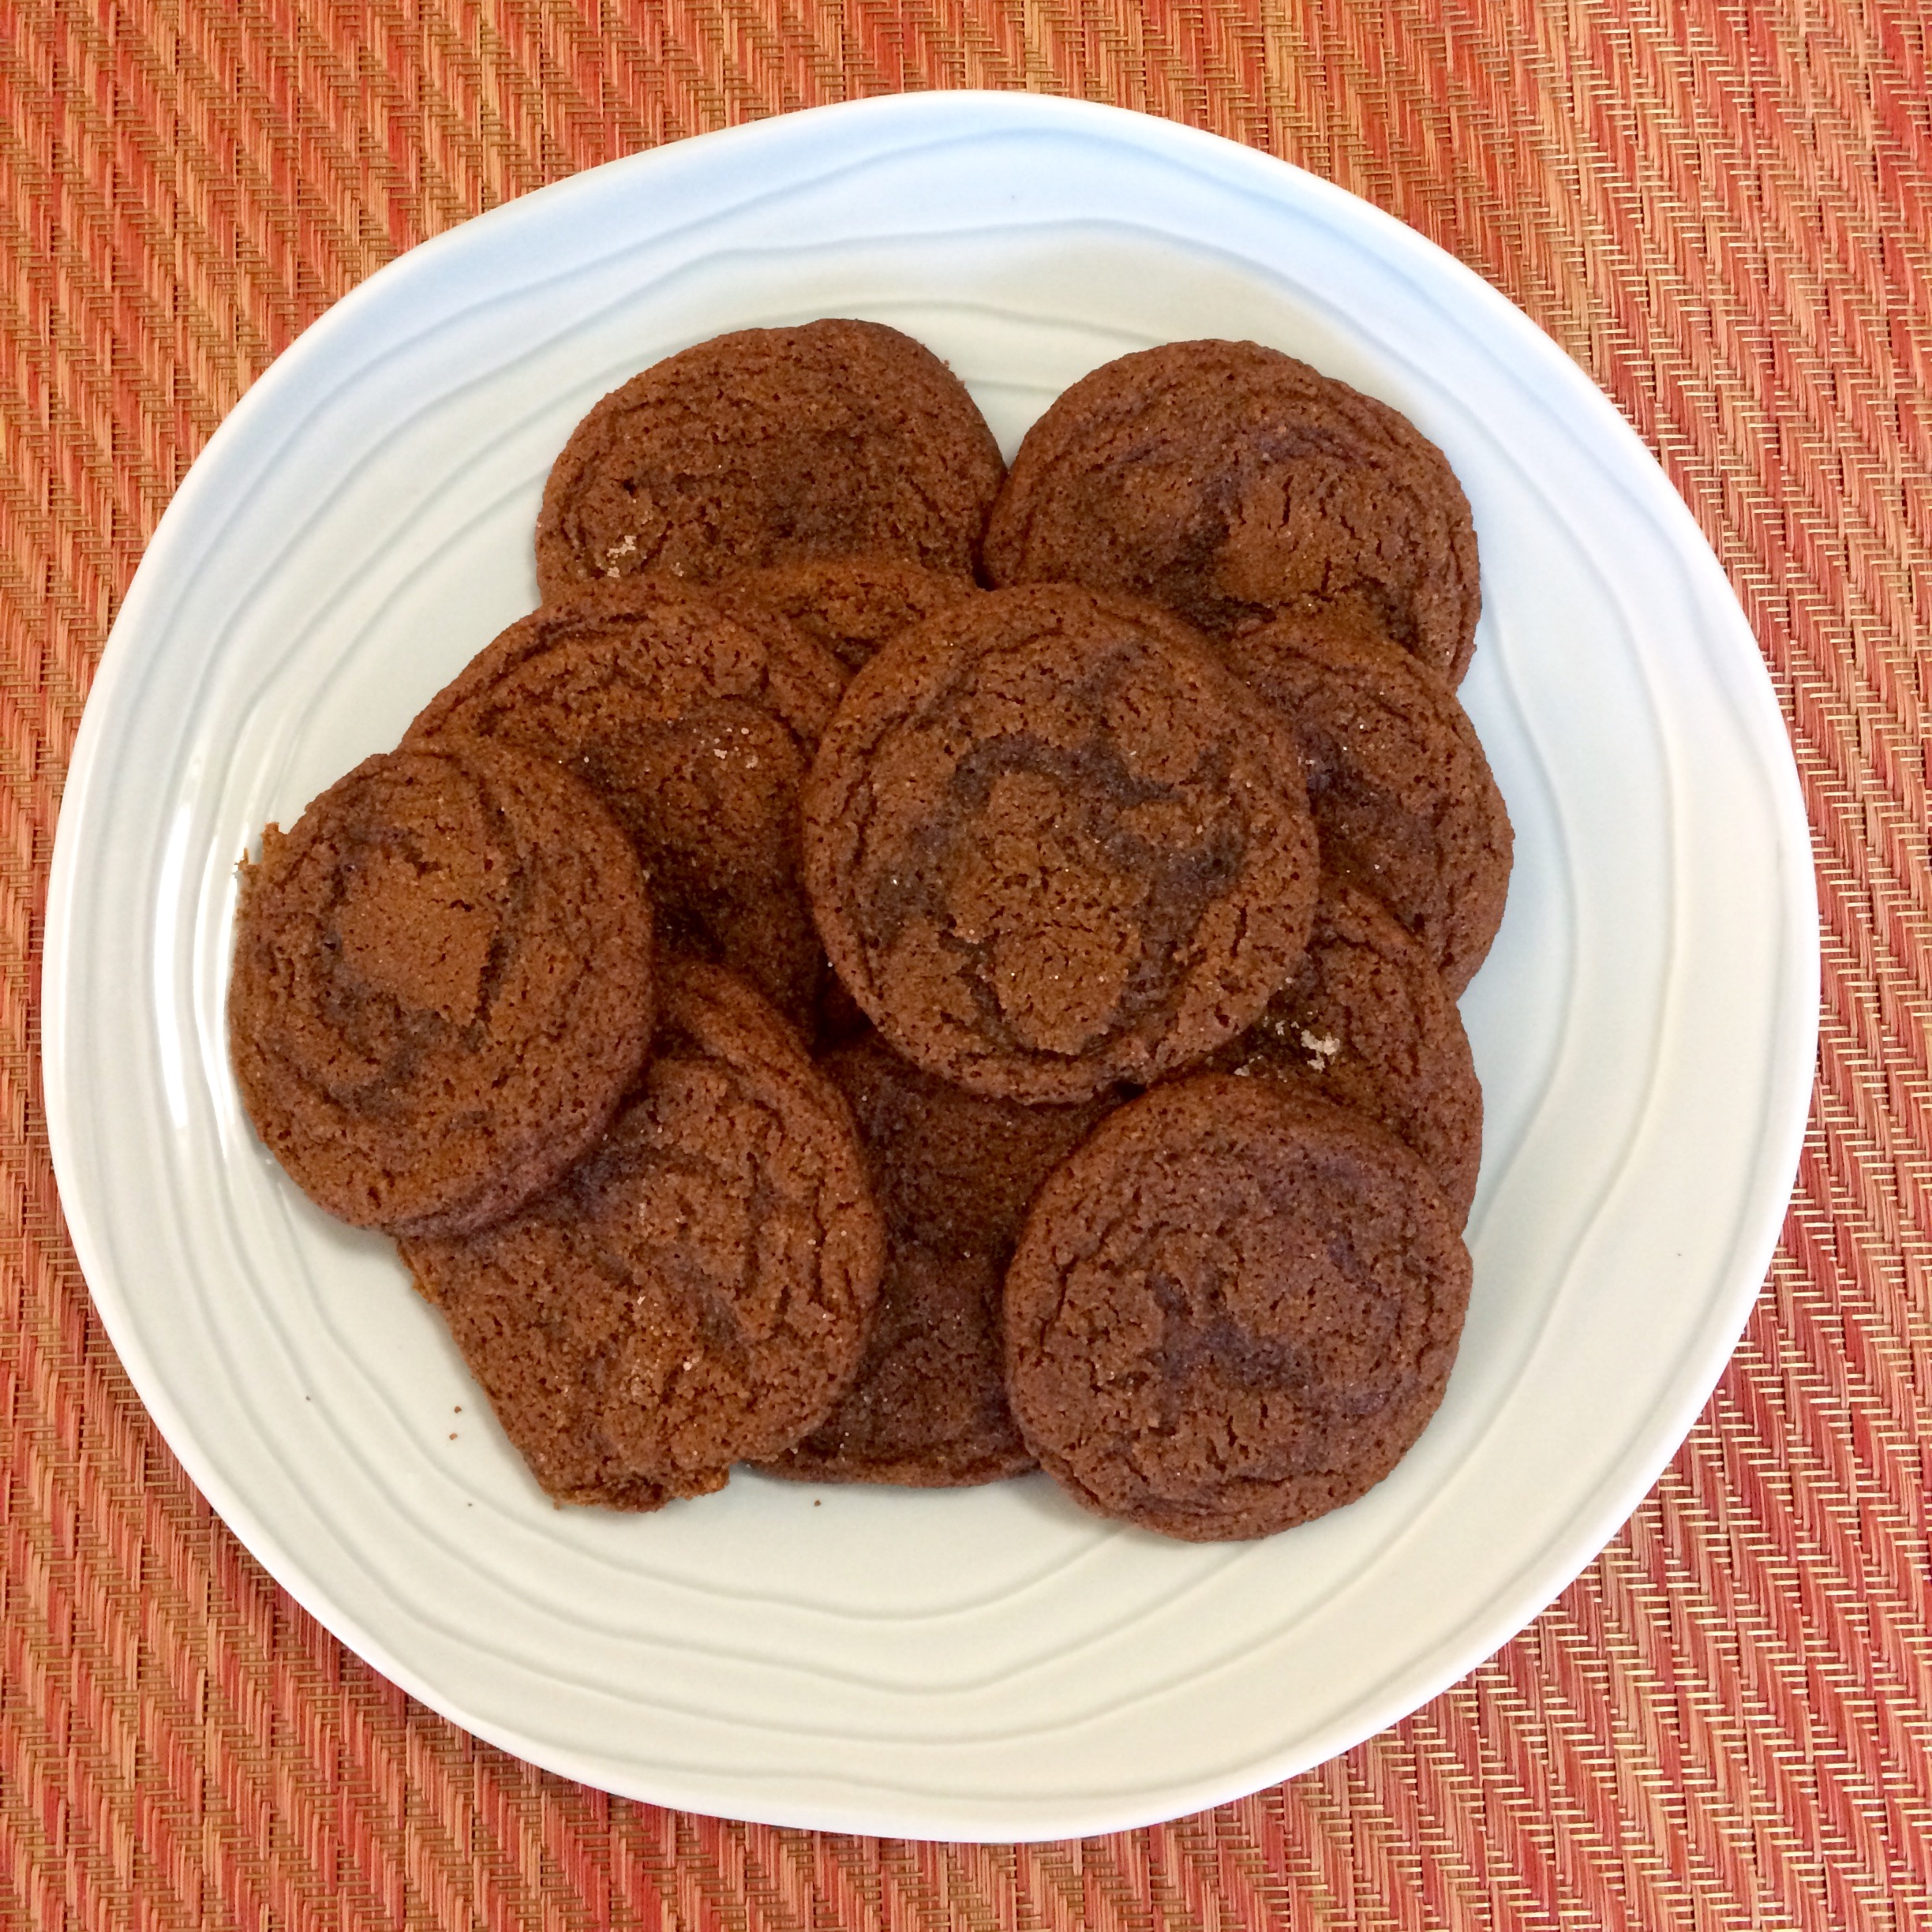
<point x="993" y="1664"/>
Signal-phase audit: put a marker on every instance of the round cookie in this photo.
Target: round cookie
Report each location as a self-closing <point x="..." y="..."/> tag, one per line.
<point x="1053" y="844"/>
<point x="1234" y="1309"/>
<point x="769" y="445"/>
<point x="1401" y="793"/>
<point x="851" y="605"/>
<point x="952" y="1174"/>
<point x="442" y="987"/>
<point x="1367" y="1023"/>
<point x="697" y="1293"/>
<point x="695" y="720"/>
<point x="1230" y="482"/>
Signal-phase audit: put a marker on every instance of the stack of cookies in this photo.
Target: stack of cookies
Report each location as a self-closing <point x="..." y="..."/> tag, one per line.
<point x="900" y="971"/>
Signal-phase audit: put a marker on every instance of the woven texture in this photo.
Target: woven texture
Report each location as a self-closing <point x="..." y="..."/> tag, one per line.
<point x="1722" y="210"/>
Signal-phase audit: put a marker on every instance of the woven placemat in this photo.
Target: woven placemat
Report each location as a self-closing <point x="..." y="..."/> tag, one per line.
<point x="1721" y="212"/>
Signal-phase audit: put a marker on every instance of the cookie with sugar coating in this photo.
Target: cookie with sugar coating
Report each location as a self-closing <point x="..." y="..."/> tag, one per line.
<point x="767" y="445"/>
<point x="1052" y="843"/>
<point x="953" y="1173"/>
<point x="1233" y="1309"/>
<point x="694" y="718"/>
<point x="1231" y="483"/>
<point x="1404" y="797"/>
<point x="1367" y="1023"/>
<point x="697" y="1292"/>
<point x="443" y="984"/>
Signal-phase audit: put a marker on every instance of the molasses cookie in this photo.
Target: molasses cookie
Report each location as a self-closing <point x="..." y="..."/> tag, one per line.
<point x="695" y="720"/>
<point x="1233" y="1308"/>
<point x="770" y="445"/>
<point x="1053" y="843"/>
<point x="1230" y="482"/>
<point x="953" y="1175"/>
<point x="851" y="605"/>
<point x="697" y="1291"/>
<point x="1367" y="1023"/>
<point x="1401" y="793"/>
<point x="442" y="987"/>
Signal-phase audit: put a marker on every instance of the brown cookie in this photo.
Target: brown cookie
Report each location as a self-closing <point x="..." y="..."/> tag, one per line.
<point x="442" y="987"/>
<point x="1053" y="844"/>
<point x="697" y="1292"/>
<point x="851" y="605"/>
<point x="953" y="1175"/>
<point x="695" y="720"/>
<point x="1401" y="793"/>
<point x="1230" y="482"/>
<point x="1367" y="1023"/>
<point x="1233" y="1308"/>
<point x="770" y="445"/>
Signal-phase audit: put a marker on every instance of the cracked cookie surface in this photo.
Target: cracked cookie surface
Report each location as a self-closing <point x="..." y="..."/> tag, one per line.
<point x="697" y="1293"/>
<point x="851" y="605"/>
<point x="1234" y="1309"/>
<point x="695" y="720"/>
<point x="1052" y="843"/>
<point x="1230" y="482"/>
<point x="953" y="1175"/>
<point x="769" y="445"/>
<point x="442" y="986"/>
<point x="1401" y="792"/>
<point x="1367" y="1023"/>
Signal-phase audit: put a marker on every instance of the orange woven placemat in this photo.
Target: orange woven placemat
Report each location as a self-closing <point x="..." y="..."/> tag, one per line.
<point x="1722" y="210"/>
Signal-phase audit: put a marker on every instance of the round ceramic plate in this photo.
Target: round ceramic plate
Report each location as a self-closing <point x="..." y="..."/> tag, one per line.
<point x="990" y="1664"/>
